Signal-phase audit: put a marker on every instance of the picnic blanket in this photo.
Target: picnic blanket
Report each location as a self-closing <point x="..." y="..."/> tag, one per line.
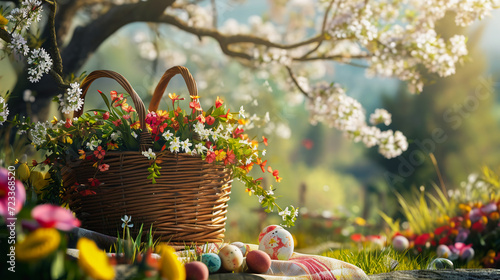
<point x="298" y="267"/>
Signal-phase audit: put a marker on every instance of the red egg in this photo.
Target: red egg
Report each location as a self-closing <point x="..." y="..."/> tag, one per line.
<point x="258" y="261"/>
<point x="196" y="271"/>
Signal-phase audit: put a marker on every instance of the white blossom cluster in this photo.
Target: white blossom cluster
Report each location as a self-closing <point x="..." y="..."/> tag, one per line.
<point x="29" y="12"/>
<point x="199" y="16"/>
<point x="72" y="101"/>
<point x="330" y="105"/>
<point x="21" y="18"/>
<point x="4" y="111"/>
<point x="40" y="63"/>
<point x="39" y="133"/>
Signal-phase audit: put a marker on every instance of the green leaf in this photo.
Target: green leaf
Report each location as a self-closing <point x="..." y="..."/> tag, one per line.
<point x="57" y="268"/>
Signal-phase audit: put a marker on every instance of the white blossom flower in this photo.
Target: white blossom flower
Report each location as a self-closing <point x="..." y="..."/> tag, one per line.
<point x="175" y="145"/>
<point x="285" y="213"/>
<point x="200" y="148"/>
<point x="116" y="135"/>
<point x="186" y="146"/>
<point x="40" y="63"/>
<point x="242" y="113"/>
<point x="72" y="101"/>
<point x="93" y="144"/>
<point x="380" y="116"/>
<point x="39" y="133"/>
<point x="149" y="154"/>
<point x="4" y="111"/>
<point x="126" y="221"/>
<point x="167" y="135"/>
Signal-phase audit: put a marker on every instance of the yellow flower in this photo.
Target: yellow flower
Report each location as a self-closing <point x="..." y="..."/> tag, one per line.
<point x="93" y="260"/>
<point x="3" y="21"/>
<point x="39" y="180"/>
<point x="360" y="221"/>
<point x="23" y="172"/>
<point x="220" y="155"/>
<point x="170" y="266"/>
<point x="38" y="244"/>
<point x="68" y="140"/>
<point x="54" y="120"/>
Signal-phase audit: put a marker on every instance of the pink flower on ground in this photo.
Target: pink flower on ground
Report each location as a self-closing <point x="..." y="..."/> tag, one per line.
<point x="48" y="215"/>
<point x="15" y="191"/>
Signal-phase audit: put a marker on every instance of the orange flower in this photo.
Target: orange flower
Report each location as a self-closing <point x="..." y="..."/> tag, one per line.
<point x="262" y="164"/>
<point x="112" y="146"/>
<point x="82" y="154"/>
<point x="265" y="140"/>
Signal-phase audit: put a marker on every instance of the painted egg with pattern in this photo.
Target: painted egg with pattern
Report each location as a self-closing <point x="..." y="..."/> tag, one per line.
<point x="245" y="248"/>
<point x="212" y="261"/>
<point x="276" y="242"/>
<point x="231" y="257"/>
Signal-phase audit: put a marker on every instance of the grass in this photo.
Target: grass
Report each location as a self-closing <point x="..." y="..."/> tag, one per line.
<point x="376" y="261"/>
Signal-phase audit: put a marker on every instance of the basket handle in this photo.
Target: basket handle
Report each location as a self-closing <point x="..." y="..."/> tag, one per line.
<point x="138" y="104"/>
<point x="165" y="79"/>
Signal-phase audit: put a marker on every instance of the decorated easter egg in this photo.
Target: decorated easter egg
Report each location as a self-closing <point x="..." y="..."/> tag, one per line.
<point x="196" y="271"/>
<point x="243" y="247"/>
<point x="400" y="243"/>
<point x="443" y="251"/>
<point x="276" y="242"/>
<point x="212" y="261"/>
<point x="440" y="263"/>
<point x="231" y="257"/>
<point x="258" y="261"/>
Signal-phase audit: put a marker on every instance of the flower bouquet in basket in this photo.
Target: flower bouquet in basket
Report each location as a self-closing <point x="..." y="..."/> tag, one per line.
<point x="172" y="168"/>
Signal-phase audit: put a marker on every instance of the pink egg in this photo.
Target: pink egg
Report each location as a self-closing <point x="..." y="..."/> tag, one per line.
<point x="196" y="271"/>
<point x="258" y="261"/>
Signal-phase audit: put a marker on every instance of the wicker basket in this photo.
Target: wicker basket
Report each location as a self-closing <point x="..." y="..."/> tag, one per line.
<point x="187" y="205"/>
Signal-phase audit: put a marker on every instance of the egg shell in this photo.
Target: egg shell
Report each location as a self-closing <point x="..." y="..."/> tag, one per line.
<point x="212" y="261"/>
<point x="231" y="257"/>
<point x="258" y="261"/>
<point x="276" y="242"/>
<point x="196" y="271"/>
<point x="243" y="247"/>
<point x="400" y="243"/>
<point x="266" y="230"/>
<point x="443" y="251"/>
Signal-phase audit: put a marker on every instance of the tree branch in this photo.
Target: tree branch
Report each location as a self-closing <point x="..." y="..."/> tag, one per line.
<point x="296" y="82"/>
<point x="52" y="43"/>
<point x="4" y="35"/>
<point x="87" y="39"/>
<point x="323" y="28"/>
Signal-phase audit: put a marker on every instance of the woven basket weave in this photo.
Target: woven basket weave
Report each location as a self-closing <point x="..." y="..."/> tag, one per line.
<point x="188" y="203"/>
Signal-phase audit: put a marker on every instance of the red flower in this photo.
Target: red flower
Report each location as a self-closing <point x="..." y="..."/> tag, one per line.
<point x="87" y="192"/>
<point x="357" y="237"/>
<point x="117" y="122"/>
<point x="201" y="118"/>
<point x="195" y="105"/>
<point x="103" y="167"/>
<point x="94" y="182"/>
<point x="237" y="132"/>
<point x="68" y="123"/>
<point x="34" y="163"/>
<point x="126" y="117"/>
<point x="478" y="226"/>
<point x="99" y="153"/>
<point x="210" y="157"/>
<point x="115" y="97"/>
<point x="265" y="140"/>
<point x="230" y="157"/>
<point x="210" y="120"/>
<point x="218" y="102"/>
<point x="422" y="239"/>
<point x="440" y="230"/>
<point x="105" y="116"/>
<point x="51" y="216"/>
